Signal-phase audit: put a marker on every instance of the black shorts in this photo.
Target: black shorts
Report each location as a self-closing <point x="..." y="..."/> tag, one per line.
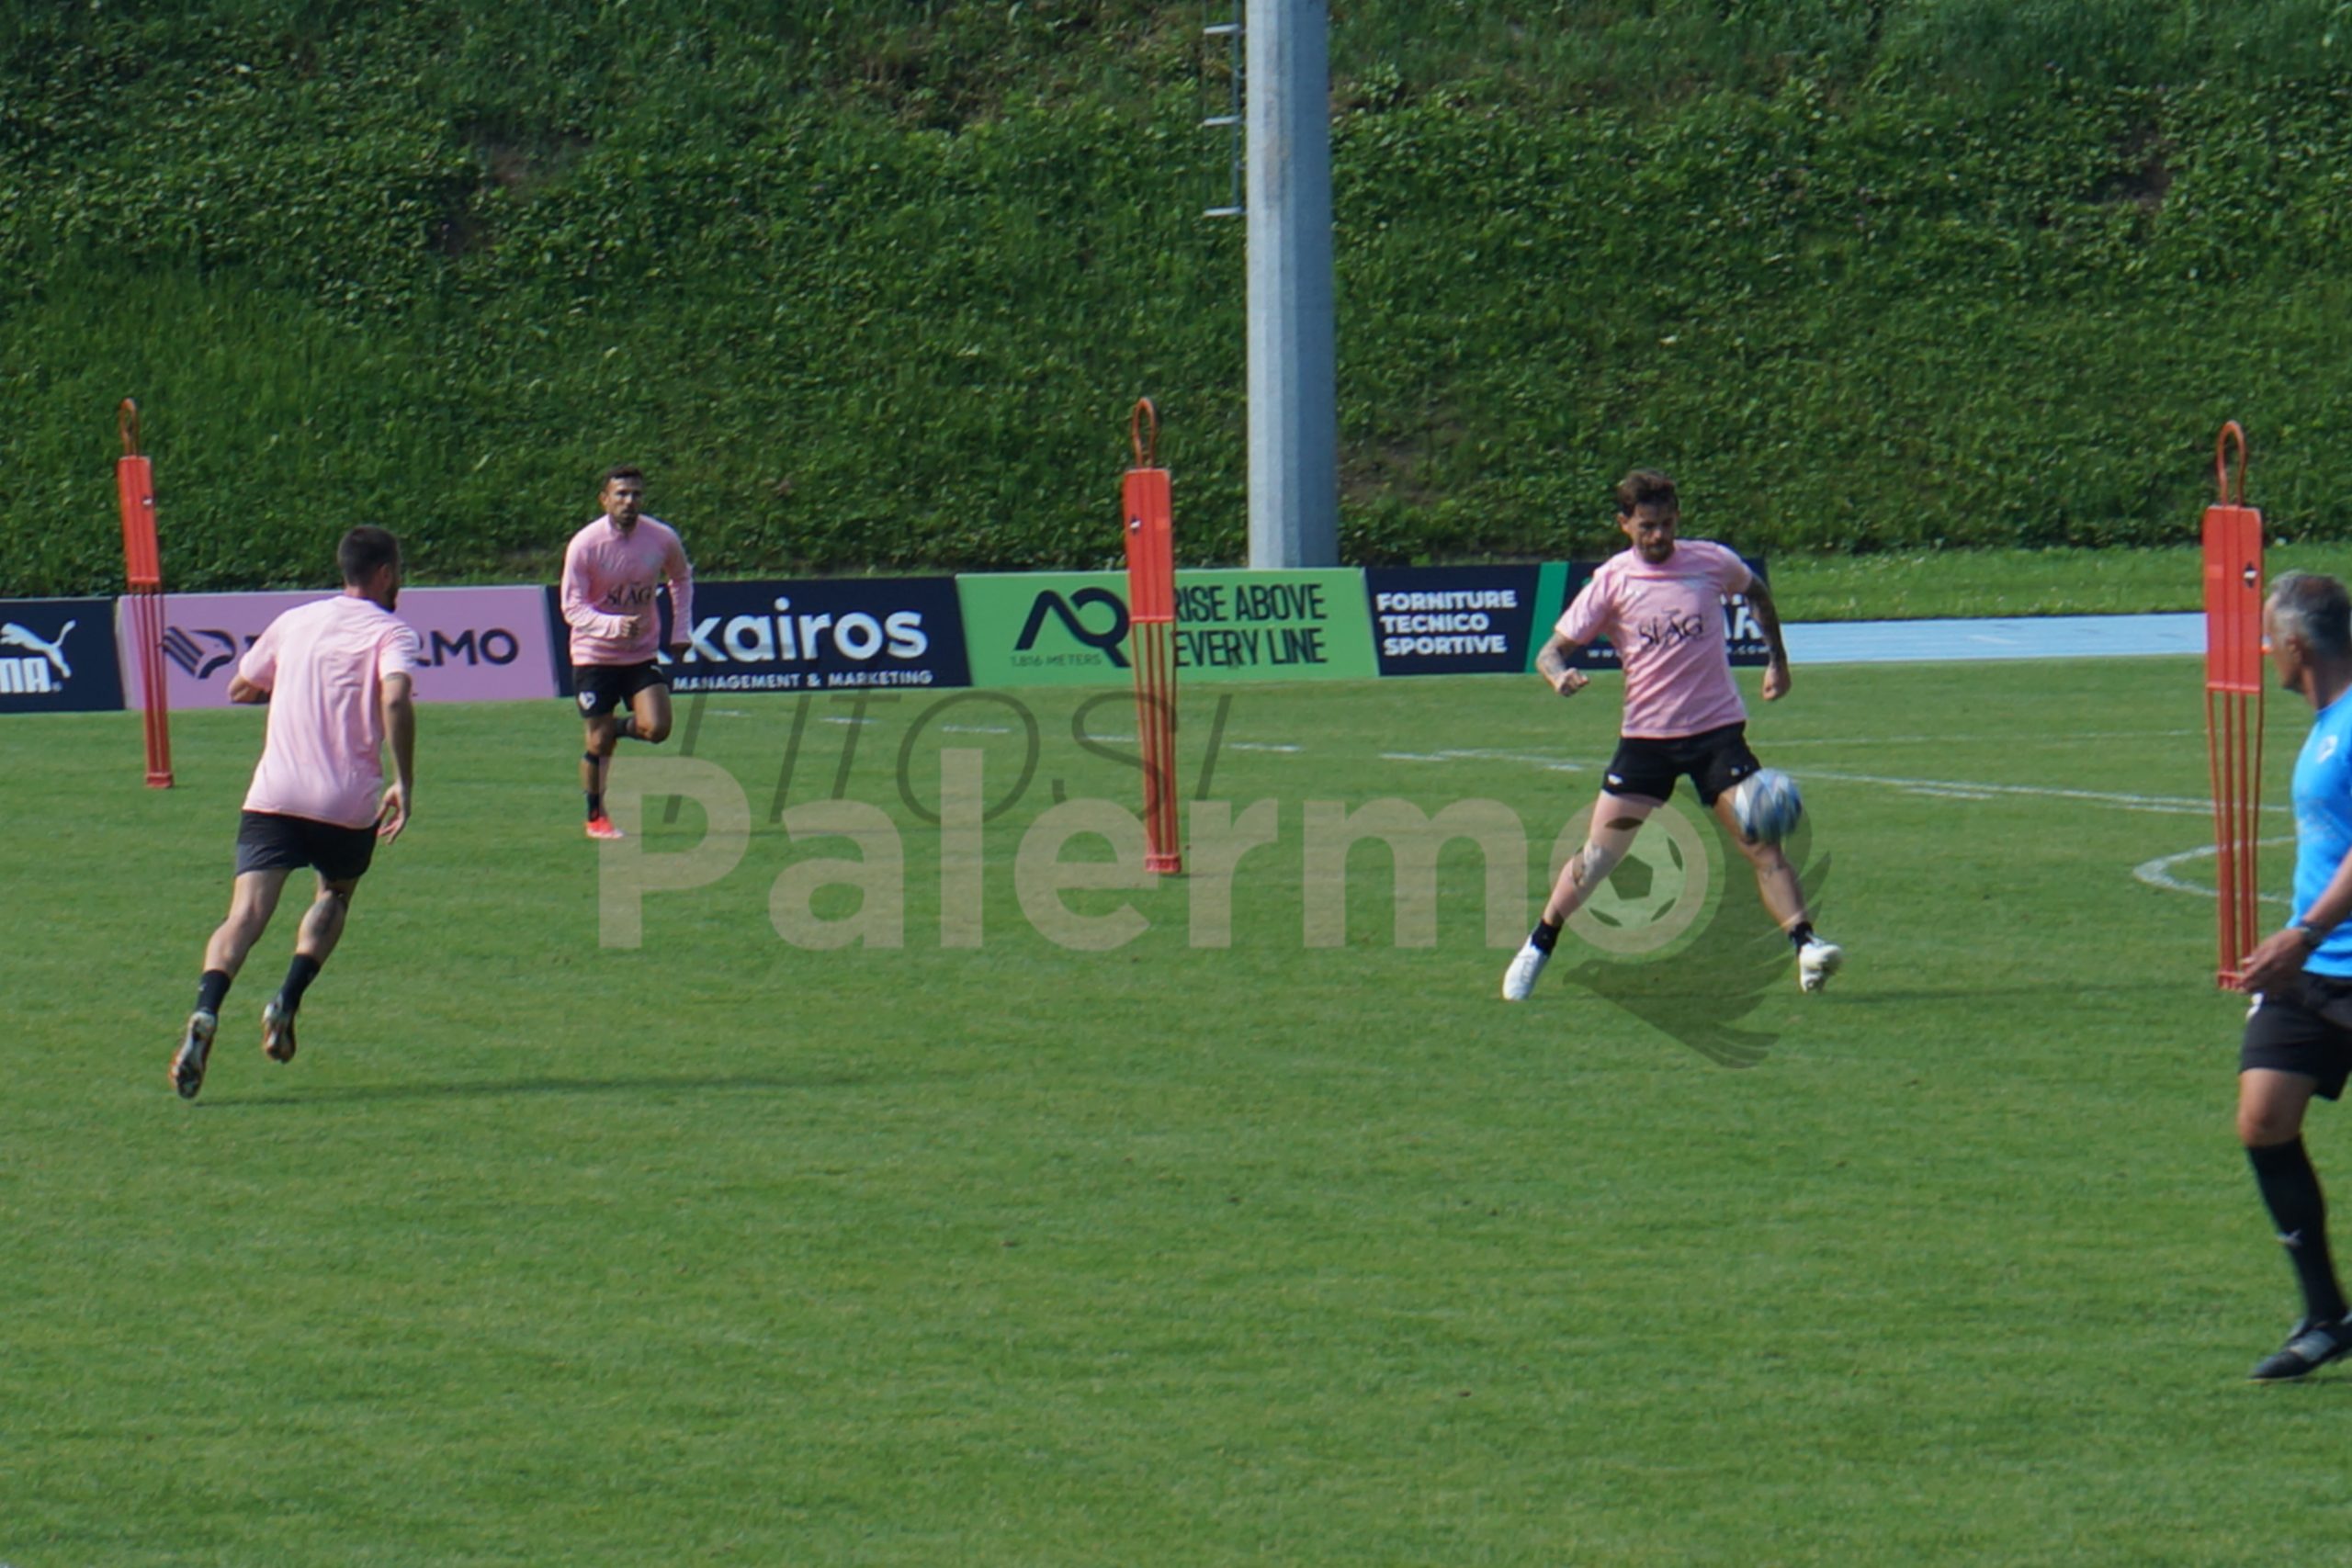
<point x="1713" y="761"/>
<point x="268" y="841"/>
<point x="2304" y="1027"/>
<point x="603" y="687"/>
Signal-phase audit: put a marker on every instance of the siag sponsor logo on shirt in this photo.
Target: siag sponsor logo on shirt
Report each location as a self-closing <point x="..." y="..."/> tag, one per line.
<point x="1742" y="633"/>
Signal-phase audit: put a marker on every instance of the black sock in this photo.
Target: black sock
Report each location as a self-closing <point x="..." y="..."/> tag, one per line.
<point x="1800" y="933"/>
<point x="595" y="796"/>
<point x="628" y="727"/>
<point x="298" y="976"/>
<point x="212" y="990"/>
<point x="1545" y="937"/>
<point x="2290" y="1189"/>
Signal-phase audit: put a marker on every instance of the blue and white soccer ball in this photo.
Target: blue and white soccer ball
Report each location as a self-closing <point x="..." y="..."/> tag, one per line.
<point x="1765" y="805"/>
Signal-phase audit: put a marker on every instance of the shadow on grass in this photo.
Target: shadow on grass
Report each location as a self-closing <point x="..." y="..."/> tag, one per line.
<point x="295" y="1099"/>
<point x="1708" y="995"/>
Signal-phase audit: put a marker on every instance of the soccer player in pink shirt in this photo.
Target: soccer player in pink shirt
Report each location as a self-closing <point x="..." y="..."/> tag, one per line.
<point x="336" y="675"/>
<point x="610" y="572"/>
<point x="1661" y="603"/>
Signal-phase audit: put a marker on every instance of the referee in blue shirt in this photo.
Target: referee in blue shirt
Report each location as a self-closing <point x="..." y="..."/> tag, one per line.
<point x="2299" y="1031"/>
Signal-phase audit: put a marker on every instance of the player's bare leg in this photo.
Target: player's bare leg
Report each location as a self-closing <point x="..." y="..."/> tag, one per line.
<point x="1776" y="884"/>
<point x="603" y="731"/>
<point x="1616" y="818"/>
<point x="253" y="898"/>
<point x="322" y="929"/>
<point x="648" y="716"/>
<point x="1776" y="879"/>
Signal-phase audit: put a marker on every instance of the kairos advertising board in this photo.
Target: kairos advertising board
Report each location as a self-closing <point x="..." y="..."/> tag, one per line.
<point x="808" y="636"/>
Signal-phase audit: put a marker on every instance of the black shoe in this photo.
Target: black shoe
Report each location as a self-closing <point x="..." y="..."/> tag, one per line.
<point x="2312" y="1346"/>
<point x="195" y="1049"/>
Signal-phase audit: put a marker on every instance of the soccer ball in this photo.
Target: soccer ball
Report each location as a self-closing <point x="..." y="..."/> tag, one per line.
<point x="1765" y="805"/>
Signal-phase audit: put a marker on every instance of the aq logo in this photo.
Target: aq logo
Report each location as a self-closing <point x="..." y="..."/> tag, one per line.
<point x="1105" y="641"/>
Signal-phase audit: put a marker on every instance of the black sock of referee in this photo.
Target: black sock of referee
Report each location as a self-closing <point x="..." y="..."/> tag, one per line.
<point x="212" y="990"/>
<point x="1545" y="937"/>
<point x="2290" y="1189"/>
<point x="1800" y="933"/>
<point x="298" y="976"/>
<point x="595" y="796"/>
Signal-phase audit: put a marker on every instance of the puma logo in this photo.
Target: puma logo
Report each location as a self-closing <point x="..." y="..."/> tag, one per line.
<point x="16" y="635"/>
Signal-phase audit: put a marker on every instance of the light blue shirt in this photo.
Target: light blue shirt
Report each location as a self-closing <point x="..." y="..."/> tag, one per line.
<point x="2324" y="825"/>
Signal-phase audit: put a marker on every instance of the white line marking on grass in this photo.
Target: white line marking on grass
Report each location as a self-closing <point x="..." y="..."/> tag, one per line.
<point x="844" y="718"/>
<point x="1555" y="764"/>
<point x="1780" y="741"/>
<point x="2171" y="805"/>
<point x="1259" y="746"/>
<point x="1948" y="789"/>
<point x="2158" y="872"/>
<point x="976" y="729"/>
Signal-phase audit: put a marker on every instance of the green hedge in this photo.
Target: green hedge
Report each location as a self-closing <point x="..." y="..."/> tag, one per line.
<point x="874" y="288"/>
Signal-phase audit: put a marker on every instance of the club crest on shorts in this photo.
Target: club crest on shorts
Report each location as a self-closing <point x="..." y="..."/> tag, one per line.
<point x="587" y="701"/>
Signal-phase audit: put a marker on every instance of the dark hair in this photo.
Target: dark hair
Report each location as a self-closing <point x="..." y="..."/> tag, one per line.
<point x="626" y="471"/>
<point x="366" y="550"/>
<point x="2315" y="608"/>
<point x="1644" y="486"/>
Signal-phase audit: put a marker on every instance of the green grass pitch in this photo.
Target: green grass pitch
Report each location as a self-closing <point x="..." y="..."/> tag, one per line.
<point x="727" y="1250"/>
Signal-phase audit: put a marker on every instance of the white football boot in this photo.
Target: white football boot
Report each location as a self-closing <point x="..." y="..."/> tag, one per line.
<point x="1520" y="978"/>
<point x="195" y="1049"/>
<point x="1816" y="961"/>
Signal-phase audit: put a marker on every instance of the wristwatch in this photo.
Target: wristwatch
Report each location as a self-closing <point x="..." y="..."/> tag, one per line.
<point x="2315" y="934"/>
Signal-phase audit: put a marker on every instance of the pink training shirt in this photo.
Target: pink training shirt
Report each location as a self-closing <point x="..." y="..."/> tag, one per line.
<point x="323" y="665"/>
<point x="1666" y="621"/>
<point x="609" y="576"/>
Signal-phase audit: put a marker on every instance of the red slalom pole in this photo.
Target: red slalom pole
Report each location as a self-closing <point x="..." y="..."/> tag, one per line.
<point x="134" y="486"/>
<point x="1151" y="621"/>
<point x="2234" y="698"/>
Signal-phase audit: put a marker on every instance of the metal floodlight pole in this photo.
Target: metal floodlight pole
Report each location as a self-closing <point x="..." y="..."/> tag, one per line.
<point x="1293" y="356"/>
